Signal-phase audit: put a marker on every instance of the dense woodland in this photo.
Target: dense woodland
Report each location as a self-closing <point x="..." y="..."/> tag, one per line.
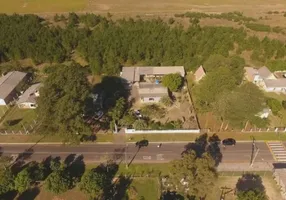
<point x="107" y="44"/>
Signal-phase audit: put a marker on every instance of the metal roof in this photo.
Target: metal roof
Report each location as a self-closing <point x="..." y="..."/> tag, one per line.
<point x="264" y="72"/>
<point x="277" y="83"/>
<point x="132" y="74"/>
<point x="9" y="82"/>
<point x="200" y="73"/>
<point x="29" y="95"/>
<point x="152" y="90"/>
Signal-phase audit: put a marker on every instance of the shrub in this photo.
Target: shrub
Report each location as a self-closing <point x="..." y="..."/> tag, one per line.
<point x="153" y="110"/>
<point x="172" y="81"/>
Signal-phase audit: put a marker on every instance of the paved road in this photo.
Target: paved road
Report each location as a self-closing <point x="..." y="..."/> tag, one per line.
<point x="241" y="153"/>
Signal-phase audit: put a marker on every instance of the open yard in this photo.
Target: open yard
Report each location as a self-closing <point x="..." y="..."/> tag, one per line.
<point x="19" y="119"/>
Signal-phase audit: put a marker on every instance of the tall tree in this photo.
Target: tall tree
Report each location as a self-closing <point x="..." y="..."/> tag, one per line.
<point x="6" y="181"/>
<point x="194" y="175"/>
<point x="62" y="102"/>
<point x="117" y="111"/>
<point x="58" y="181"/>
<point x="23" y="180"/>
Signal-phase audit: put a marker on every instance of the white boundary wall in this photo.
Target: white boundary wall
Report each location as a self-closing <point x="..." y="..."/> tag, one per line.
<point x="133" y="131"/>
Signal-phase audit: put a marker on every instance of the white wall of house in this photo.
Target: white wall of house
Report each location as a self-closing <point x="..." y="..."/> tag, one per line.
<point x="27" y="105"/>
<point x="150" y="99"/>
<point x="275" y="89"/>
<point x="2" y="102"/>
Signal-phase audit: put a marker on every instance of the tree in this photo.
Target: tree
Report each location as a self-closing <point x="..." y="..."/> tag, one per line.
<point x="252" y="194"/>
<point x="212" y="87"/>
<point x="91" y="183"/>
<point x="117" y="111"/>
<point x="6" y="181"/>
<point x="153" y="110"/>
<point x="166" y="101"/>
<point x="274" y="105"/>
<point x="127" y="120"/>
<point x="5" y="161"/>
<point x="284" y="104"/>
<point x="250" y="187"/>
<point x="172" y="81"/>
<point x="23" y="181"/>
<point x="62" y="102"/>
<point x="241" y="105"/>
<point x="58" y="181"/>
<point x="194" y="175"/>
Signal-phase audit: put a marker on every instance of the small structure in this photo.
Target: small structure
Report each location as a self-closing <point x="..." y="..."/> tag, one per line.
<point x="147" y="80"/>
<point x="199" y="74"/>
<point x="264" y="79"/>
<point x="264" y="114"/>
<point x="29" y="98"/>
<point x="10" y="84"/>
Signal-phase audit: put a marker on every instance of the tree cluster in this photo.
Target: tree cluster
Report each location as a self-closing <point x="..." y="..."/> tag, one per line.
<point x="62" y="102"/>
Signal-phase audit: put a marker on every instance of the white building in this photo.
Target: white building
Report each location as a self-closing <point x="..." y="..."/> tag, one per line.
<point x="266" y="80"/>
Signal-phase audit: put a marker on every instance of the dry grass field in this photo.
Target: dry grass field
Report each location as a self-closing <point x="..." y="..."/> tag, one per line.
<point x="137" y="6"/>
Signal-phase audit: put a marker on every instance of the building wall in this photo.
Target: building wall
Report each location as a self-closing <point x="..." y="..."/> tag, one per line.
<point x="27" y="105"/>
<point x="150" y="99"/>
<point x="276" y="89"/>
<point x="2" y="102"/>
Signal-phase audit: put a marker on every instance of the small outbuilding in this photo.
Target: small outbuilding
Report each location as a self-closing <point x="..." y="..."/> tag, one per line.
<point x="199" y="74"/>
<point x="29" y="98"/>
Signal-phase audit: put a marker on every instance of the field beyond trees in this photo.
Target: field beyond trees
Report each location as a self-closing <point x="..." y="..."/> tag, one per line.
<point x="135" y="6"/>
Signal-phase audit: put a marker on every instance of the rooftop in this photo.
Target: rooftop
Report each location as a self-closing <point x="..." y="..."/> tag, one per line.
<point x="9" y="82"/>
<point x="29" y="96"/>
<point x="250" y="73"/>
<point x="200" y="73"/>
<point x="277" y="83"/>
<point x="132" y="74"/>
<point x="152" y="90"/>
<point x="264" y="72"/>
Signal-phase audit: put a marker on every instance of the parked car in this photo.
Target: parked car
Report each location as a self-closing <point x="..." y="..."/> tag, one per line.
<point x="229" y="142"/>
<point x="137" y="114"/>
<point x="142" y="143"/>
<point x="98" y="114"/>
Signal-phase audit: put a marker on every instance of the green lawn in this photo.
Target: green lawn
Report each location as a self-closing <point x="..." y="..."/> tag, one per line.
<point x="38" y="6"/>
<point x="147" y="188"/>
<point x="17" y="119"/>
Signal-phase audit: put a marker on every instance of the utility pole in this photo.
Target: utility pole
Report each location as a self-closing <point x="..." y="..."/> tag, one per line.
<point x="254" y="147"/>
<point x="126" y="147"/>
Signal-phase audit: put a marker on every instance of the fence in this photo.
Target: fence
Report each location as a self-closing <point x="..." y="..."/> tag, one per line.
<point x="133" y="131"/>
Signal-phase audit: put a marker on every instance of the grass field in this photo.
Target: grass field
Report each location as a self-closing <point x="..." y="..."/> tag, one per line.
<point x="136" y="6"/>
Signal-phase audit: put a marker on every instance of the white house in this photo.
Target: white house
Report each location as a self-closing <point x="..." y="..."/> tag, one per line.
<point x="9" y="84"/>
<point x="29" y="98"/>
<point x="266" y="80"/>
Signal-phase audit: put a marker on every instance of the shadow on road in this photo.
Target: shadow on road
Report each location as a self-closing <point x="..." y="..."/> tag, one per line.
<point x="204" y="144"/>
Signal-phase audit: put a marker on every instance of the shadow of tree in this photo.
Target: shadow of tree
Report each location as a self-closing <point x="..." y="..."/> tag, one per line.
<point x="76" y="167"/>
<point x="171" y="195"/>
<point x="205" y="144"/>
<point x="30" y="194"/>
<point x="248" y="182"/>
<point x="9" y="195"/>
<point x="121" y="186"/>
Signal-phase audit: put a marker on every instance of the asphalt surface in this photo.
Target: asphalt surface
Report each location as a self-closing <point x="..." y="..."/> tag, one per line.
<point x="241" y="153"/>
